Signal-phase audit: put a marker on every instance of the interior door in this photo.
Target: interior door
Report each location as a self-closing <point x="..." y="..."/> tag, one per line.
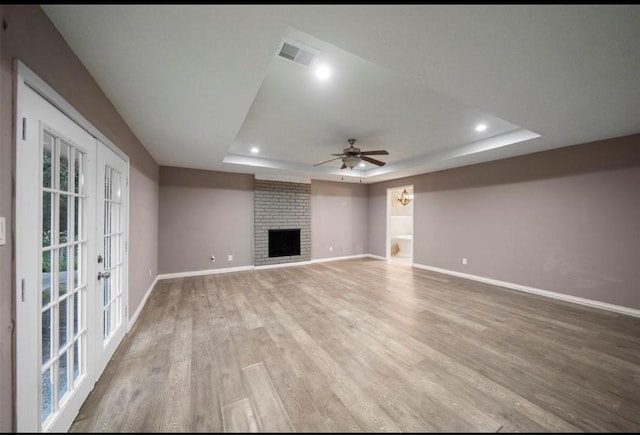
<point x="55" y="209"/>
<point x="111" y="258"/>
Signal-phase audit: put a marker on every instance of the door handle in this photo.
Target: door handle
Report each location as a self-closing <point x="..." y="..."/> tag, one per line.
<point x="103" y="275"/>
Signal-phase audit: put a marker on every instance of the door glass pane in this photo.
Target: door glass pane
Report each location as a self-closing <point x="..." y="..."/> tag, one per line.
<point x="82" y="276"/>
<point x="106" y="321"/>
<point x="76" y="266"/>
<point x="76" y="359"/>
<point x="115" y="217"/>
<point x="46" y="277"/>
<point x="116" y="250"/>
<point x="75" y="154"/>
<point x="64" y="167"/>
<point x="63" y="284"/>
<point x="77" y="228"/>
<point x="47" y="391"/>
<point x="107" y="183"/>
<point x="106" y="291"/>
<point x="63" y="378"/>
<point x="79" y="172"/>
<point x="47" y="160"/>
<point x="76" y="304"/>
<point x="107" y="220"/>
<point x="47" y="218"/>
<point x="116" y="192"/>
<point x="46" y="335"/>
<point x="63" y="322"/>
<point x="64" y="219"/>
<point x="107" y="257"/>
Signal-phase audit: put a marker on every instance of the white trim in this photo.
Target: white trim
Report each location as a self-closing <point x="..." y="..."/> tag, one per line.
<point x="31" y="79"/>
<point x="133" y="318"/>
<point x="128" y="246"/>
<point x="377" y="257"/>
<point x="202" y="272"/>
<point x="346" y="257"/>
<point x="547" y="293"/>
<point x="274" y="266"/>
<point x="26" y="419"/>
<point x="387" y="239"/>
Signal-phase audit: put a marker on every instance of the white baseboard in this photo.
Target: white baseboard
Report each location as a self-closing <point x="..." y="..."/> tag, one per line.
<point x="346" y="257"/>
<point x="377" y="257"/>
<point x="523" y="288"/>
<point x="203" y="272"/>
<point x="243" y="268"/>
<point x="133" y="318"/>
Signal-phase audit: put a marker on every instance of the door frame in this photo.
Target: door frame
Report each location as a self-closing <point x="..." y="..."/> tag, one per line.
<point x="25" y="78"/>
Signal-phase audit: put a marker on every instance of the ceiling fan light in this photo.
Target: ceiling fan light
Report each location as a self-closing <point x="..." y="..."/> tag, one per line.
<point x="351" y="161"/>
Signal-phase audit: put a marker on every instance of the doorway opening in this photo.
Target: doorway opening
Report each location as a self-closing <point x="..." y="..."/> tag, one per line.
<point x="400" y="202"/>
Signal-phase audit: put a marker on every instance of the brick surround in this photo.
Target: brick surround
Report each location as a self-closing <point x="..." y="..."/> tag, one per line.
<point x="281" y="205"/>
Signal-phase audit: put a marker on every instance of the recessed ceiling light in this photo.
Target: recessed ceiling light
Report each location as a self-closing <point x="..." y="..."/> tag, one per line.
<point x="362" y="165"/>
<point x="322" y="71"/>
<point x="481" y="127"/>
<point x="255" y="150"/>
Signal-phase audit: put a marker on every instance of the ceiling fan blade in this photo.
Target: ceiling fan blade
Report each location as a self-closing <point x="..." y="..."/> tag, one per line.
<point x="343" y="166"/>
<point x="374" y="161"/>
<point x="374" y="153"/>
<point x="326" y="161"/>
<point x="341" y="155"/>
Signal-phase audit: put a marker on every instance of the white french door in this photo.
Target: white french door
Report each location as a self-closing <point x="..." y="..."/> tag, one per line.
<point x="71" y="265"/>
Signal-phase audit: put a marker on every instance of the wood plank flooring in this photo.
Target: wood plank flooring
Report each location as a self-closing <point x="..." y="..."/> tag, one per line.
<point x="366" y="346"/>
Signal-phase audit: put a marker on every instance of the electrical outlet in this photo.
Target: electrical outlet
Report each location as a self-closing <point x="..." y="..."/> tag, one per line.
<point x="212" y="259"/>
<point x="464" y="261"/>
<point x="230" y="257"/>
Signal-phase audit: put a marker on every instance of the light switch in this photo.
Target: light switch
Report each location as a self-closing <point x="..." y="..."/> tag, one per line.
<point x="3" y="239"/>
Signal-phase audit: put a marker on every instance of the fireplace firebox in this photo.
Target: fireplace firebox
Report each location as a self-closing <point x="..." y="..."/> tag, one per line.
<point x="284" y="242"/>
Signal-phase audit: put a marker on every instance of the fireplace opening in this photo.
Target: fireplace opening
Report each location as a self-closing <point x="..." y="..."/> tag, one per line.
<point x="284" y="242"/>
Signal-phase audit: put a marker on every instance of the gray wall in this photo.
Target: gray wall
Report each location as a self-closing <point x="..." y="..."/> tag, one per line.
<point x="565" y="220"/>
<point x="209" y="212"/>
<point x="338" y="219"/>
<point x="32" y="38"/>
<point x="204" y="213"/>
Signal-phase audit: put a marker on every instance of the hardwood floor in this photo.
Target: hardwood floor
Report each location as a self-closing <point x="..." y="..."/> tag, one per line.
<point x="366" y="345"/>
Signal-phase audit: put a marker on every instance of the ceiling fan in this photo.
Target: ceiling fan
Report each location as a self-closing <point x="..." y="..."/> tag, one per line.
<point x="351" y="156"/>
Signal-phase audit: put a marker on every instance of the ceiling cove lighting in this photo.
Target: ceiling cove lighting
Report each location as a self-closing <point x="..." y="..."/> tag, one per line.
<point x="255" y="150"/>
<point x="404" y="198"/>
<point x="481" y="127"/>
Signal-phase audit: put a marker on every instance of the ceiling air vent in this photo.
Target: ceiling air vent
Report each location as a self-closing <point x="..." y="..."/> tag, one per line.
<point x="296" y="54"/>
